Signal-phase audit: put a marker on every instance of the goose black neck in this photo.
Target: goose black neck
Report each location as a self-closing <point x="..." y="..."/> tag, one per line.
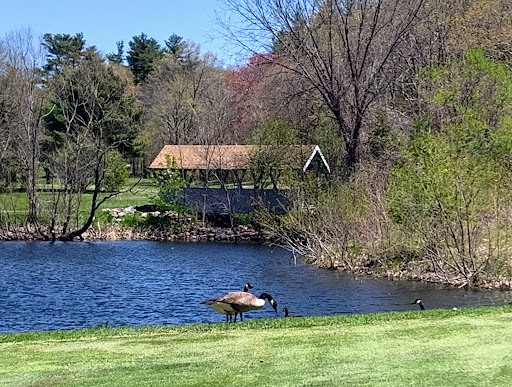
<point x="265" y="296"/>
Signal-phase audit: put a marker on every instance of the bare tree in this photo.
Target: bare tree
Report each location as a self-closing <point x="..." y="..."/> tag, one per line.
<point x="187" y="102"/>
<point x="169" y="99"/>
<point x="214" y="113"/>
<point x="170" y="96"/>
<point x="23" y="101"/>
<point x="322" y="225"/>
<point x="5" y="134"/>
<point x="262" y="91"/>
<point x="340" y="48"/>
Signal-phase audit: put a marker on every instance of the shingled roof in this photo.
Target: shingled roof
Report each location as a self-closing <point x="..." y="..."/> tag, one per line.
<point x="230" y="157"/>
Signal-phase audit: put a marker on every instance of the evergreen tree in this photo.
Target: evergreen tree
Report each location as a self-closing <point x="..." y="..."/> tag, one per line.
<point x="63" y="49"/>
<point x="175" y="46"/>
<point x="119" y="56"/>
<point x="143" y="55"/>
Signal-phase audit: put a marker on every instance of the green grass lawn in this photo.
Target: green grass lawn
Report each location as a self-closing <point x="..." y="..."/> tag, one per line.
<point x="14" y="206"/>
<point x="465" y="347"/>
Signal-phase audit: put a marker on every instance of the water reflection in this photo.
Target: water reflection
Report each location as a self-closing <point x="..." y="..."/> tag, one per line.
<point x="47" y="286"/>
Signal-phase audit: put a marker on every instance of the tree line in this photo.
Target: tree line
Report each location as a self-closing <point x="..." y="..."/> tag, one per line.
<point x="409" y="101"/>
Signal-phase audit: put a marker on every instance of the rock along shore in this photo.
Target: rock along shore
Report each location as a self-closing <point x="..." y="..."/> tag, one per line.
<point x="189" y="233"/>
<point x="170" y="227"/>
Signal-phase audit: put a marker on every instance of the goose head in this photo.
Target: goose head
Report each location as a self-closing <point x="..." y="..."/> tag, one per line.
<point x="274" y="304"/>
<point x="247" y="287"/>
<point x="419" y="302"/>
<point x="268" y="297"/>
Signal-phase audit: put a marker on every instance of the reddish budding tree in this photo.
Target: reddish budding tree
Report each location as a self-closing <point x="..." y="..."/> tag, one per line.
<point x="247" y="85"/>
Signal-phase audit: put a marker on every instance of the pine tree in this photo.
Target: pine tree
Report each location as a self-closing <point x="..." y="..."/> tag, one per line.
<point x="143" y="55"/>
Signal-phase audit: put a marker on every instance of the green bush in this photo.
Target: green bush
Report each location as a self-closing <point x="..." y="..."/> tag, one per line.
<point x="116" y="172"/>
<point x="244" y="219"/>
<point x="132" y="220"/>
<point x="170" y="183"/>
<point x="160" y="221"/>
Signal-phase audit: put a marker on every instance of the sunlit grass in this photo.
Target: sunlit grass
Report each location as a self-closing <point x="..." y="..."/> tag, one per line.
<point x="14" y="206"/>
<point x="466" y="347"/>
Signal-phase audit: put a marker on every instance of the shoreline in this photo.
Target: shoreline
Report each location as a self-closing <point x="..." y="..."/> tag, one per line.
<point x="241" y="233"/>
<point x="191" y="233"/>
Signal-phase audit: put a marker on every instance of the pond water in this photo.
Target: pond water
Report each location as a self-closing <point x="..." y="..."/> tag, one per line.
<point x="47" y="286"/>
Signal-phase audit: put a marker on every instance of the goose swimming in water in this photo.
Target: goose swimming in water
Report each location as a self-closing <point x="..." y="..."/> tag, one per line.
<point x="241" y="302"/>
<point x="225" y="308"/>
<point x="420" y="303"/>
<point x="286" y="314"/>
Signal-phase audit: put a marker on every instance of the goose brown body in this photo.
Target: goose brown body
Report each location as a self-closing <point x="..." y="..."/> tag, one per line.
<point x="286" y="314"/>
<point x="225" y="308"/>
<point x="242" y="302"/>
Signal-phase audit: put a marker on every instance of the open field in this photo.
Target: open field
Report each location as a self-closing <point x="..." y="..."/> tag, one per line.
<point x="464" y="347"/>
<point x="14" y="207"/>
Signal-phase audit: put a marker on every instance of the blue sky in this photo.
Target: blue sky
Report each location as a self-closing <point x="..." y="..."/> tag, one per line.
<point x="103" y="23"/>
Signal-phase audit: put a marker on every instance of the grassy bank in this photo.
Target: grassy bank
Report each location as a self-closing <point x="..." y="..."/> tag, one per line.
<point x="465" y="347"/>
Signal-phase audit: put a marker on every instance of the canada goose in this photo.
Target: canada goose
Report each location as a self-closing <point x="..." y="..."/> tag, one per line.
<point x="242" y="302"/>
<point x="286" y="314"/>
<point x="225" y="308"/>
<point x="420" y="303"/>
